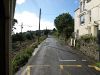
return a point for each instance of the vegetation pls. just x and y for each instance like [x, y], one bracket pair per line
[21, 58]
[64, 24]
[84, 40]
[98, 64]
[88, 38]
[20, 53]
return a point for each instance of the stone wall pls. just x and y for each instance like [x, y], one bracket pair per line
[90, 49]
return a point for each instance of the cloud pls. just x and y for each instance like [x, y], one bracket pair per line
[31, 22]
[20, 2]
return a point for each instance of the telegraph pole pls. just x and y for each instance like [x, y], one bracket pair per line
[21, 27]
[39, 26]
[21, 32]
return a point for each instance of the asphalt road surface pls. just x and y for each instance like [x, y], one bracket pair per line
[52, 58]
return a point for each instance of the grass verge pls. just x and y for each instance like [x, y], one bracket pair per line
[22, 58]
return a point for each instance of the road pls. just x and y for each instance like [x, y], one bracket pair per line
[52, 58]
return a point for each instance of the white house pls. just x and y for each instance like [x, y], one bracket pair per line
[87, 18]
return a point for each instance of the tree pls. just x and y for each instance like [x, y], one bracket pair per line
[64, 24]
[13, 24]
[18, 37]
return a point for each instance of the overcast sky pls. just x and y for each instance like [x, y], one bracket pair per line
[27, 12]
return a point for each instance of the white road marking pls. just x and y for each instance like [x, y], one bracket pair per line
[83, 60]
[67, 60]
[35, 51]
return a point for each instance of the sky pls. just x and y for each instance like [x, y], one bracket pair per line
[27, 13]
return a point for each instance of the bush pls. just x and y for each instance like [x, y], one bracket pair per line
[21, 59]
[98, 64]
[88, 38]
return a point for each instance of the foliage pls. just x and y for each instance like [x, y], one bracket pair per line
[18, 37]
[88, 38]
[54, 30]
[98, 64]
[64, 24]
[21, 58]
[29, 36]
[14, 21]
[46, 32]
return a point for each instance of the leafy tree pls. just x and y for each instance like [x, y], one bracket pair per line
[14, 21]
[64, 24]
[29, 35]
[46, 32]
[54, 29]
[18, 37]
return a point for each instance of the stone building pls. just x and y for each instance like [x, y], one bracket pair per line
[87, 18]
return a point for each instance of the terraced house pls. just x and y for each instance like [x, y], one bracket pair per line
[87, 18]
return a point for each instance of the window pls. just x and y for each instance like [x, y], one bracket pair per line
[82, 19]
[90, 16]
[80, 6]
[83, 4]
[88, 1]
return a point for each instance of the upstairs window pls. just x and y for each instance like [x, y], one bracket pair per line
[81, 7]
[83, 4]
[90, 16]
[88, 1]
[82, 19]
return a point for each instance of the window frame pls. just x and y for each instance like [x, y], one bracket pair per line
[82, 19]
[87, 1]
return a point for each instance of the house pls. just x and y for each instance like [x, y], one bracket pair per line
[87, 18]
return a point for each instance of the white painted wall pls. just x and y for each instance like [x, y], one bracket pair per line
[94, 6]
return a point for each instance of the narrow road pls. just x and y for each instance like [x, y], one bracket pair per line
[52, 58]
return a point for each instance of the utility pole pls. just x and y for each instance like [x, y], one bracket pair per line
[21, 27]
[39, 26]
[21, 33]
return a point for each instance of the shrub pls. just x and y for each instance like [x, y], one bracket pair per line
[98, 64]
[88, 38]
[21, 59]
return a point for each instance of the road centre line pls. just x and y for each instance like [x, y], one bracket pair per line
[67, 60]
[84, 60]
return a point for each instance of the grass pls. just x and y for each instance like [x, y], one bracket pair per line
[98, 64]
[21, 58]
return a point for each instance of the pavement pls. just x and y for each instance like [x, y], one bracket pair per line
[52, 58]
